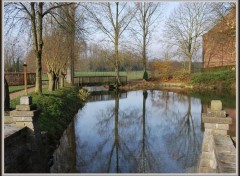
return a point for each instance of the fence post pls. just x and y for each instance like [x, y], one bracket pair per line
[25, 77]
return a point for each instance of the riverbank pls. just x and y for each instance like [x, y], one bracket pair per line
[215, 79]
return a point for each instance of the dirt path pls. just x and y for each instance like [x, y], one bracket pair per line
[21, 92]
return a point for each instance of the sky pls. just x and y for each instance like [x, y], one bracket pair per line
[155, 48]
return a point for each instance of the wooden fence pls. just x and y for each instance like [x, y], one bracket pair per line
[17, 78]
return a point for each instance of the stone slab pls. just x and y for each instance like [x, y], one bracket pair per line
[216, 105]
[10, 129]
[215, 132]
[206, 170]
[216, 126]
[216, 113]
[222, 140]
[210, 119]
[8, 120]
[24, 124]
[16, 113]
[24, 107]
[204, 163]
[26, 100]
[23, 119]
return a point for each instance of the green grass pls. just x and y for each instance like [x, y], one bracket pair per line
[18, 88]
[58, 108]
[214, 76]
[132, 75]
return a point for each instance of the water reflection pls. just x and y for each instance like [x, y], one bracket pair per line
[148, 132]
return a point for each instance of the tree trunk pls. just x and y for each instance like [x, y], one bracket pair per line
[190, 65]
[6, 96]
[51, 81]
[56, 82]
[116, 49]
[71, 23]
[144, 40]
[38, 43]
[61, 81]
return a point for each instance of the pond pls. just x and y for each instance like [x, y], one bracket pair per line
[154, 131]
[139, 132]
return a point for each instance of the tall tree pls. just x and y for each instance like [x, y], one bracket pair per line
[56, 57]
[112, 18]
[148, 15]
[186, 25]
[33, 12]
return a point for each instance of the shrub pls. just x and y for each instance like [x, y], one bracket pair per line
[161, 69]
[145, 75]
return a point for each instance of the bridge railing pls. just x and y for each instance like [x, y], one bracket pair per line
[98, 80]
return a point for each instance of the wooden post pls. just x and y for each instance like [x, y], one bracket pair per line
[25, 77]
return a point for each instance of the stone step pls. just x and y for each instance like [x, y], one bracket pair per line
[206, 170]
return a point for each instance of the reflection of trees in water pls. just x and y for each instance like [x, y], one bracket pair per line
[121, 148]
[112, 150]
[163, 95]
[184, 145]
[146, 161]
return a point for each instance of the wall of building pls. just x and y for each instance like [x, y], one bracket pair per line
[219, 44]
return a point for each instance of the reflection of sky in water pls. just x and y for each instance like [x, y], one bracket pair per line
[168, 142]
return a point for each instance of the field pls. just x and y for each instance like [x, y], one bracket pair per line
[133, 75]
[17, 88]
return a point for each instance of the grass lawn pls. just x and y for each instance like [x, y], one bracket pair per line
[58, 108]
[132, 75]
[214, 76]
[18, 88]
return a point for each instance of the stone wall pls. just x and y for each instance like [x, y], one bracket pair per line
[26, 147]
[218, 152]
[64, 157]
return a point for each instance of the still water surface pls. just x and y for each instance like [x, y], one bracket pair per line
[139, 132]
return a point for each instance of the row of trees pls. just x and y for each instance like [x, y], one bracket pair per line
[113, 19]
[60, 30]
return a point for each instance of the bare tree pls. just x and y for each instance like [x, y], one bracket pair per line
[13, 54]
[186, 25]
[147, 17]
[56, 57]
[32, 12]
[112, 18]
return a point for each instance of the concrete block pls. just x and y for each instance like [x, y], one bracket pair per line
[221, 113]
[15, 113]
[213, 163]
[24, 124]
[24, 107]
[207, 170]
[216, 126]
[210, 119]
[216, 105]
[26, 100]
[204, 163]
[22, 119]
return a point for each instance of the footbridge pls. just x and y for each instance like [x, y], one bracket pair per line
[98, 80]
